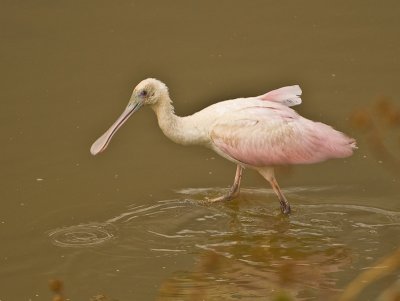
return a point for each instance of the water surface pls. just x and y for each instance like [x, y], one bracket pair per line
[132, 224]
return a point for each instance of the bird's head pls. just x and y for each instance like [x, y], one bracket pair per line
[148, 92]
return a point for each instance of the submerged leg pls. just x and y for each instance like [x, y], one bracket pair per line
[268, 174]
[234, 190]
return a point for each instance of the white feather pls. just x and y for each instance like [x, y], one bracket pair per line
[289, 96]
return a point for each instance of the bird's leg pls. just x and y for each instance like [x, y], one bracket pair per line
[285, 206]
[268, 174]
[234, 190]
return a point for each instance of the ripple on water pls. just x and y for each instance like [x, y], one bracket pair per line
[84, 235]
[187, 224]
[245, 245]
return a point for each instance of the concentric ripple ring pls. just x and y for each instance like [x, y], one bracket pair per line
[85, 235]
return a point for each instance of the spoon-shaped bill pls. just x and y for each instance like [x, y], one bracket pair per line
[101, 143]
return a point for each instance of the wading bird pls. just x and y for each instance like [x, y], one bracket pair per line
[254, 132]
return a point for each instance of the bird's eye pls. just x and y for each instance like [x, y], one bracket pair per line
[143, 93]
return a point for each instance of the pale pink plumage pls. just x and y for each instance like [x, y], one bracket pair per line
[257, 132]
[266, 132]
[275, 135]
[289, 96]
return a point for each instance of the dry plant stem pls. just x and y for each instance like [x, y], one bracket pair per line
[382, 268]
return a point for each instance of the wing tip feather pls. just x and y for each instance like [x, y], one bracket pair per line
[289, 95]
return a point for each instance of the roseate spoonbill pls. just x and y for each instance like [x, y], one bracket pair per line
[255, 132]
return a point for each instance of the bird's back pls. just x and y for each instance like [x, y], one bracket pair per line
[262, 132]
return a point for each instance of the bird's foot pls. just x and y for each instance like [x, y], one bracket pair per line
[227, 197]
[219, 199]
[285, 208]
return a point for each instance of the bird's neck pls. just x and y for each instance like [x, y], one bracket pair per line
[176, 128]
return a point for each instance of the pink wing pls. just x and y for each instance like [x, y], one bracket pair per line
[289, 96]
[277, 135]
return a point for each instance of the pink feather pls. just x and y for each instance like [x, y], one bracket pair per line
[289, 96]
[277, 135]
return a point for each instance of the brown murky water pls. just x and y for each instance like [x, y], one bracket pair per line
[130, 224]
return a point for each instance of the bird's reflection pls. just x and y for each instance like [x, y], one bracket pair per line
[262, 257]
